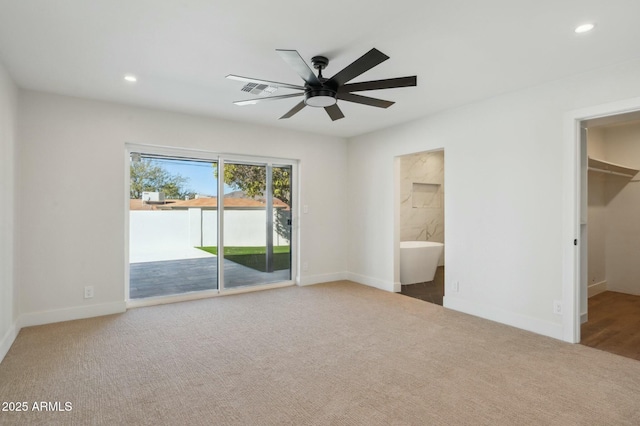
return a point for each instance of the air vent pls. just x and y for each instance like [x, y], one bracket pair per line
[259, 89]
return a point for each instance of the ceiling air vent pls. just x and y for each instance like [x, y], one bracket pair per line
[259, 89]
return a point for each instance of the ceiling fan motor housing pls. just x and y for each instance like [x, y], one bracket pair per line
[323, 95]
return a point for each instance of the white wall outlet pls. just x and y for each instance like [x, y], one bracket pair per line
[456, 286]
[557, 307]
[88, 292]
[305, 266]
[305, 209]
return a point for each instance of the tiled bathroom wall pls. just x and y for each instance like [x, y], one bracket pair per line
[422, 197]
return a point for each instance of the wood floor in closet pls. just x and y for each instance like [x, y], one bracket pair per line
[614, 324]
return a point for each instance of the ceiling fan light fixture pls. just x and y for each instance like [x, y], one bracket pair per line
[320, 98]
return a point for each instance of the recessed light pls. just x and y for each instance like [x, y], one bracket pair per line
[131, 78]
[584, 28]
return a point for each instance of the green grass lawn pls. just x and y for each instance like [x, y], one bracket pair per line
[254, 257]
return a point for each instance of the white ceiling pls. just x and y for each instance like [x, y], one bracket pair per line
[181, 51]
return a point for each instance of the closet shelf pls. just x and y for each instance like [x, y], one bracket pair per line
[611, 168]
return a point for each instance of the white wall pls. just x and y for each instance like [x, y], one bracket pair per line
[8, 305]
[503, 204]
[72, 163]
[622, 146]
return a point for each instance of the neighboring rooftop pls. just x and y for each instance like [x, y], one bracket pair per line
[205, 203]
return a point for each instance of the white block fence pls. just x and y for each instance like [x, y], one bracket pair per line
[177, 229]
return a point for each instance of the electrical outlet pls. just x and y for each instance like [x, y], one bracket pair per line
[557, 307]
[456, 286]
[305, 266]
[88, 292]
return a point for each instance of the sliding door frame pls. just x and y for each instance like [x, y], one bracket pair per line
[220, 159]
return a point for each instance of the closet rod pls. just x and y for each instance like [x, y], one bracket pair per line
[610, 172]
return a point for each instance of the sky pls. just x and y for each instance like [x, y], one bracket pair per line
[199, 174]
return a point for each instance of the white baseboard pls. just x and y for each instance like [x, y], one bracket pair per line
[397, 287]
[68, 314]
[546, 328]
[373, 282]
[584, 318]
[597, 288]
[8, 339]
[322, 278]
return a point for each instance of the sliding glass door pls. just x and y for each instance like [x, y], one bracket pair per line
[257, 224]
[172, 223]
[178, 206]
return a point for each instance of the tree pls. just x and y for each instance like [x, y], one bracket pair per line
[147, 176]
[252, 180]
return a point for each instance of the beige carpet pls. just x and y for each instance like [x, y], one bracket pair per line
[338, 353]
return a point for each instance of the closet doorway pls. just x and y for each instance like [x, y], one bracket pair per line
[610, 234]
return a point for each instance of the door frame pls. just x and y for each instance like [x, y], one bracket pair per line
[219, 158]
[397, 182]
[574, 264]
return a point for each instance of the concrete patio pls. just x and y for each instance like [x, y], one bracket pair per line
[168, 277]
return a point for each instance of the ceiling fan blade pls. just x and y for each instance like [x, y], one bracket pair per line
[365, 100]
[295, 61]
[359, 66]
[267, 82]
[294, 110]
[334, 112]
[267, 98]
[389, 83]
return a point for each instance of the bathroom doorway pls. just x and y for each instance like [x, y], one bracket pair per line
[421, 225]
[610, 231]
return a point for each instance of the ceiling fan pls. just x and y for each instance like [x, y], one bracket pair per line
[325, 92]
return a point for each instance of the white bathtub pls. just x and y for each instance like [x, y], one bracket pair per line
[419, 261]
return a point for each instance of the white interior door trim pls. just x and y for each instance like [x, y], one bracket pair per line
[571, 188]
